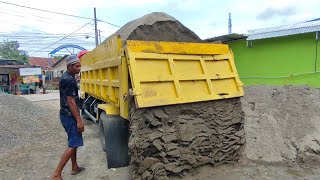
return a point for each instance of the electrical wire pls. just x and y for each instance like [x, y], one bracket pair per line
[62, 38]
[70, 15]
[26, 39]
[44, 10]
[22, 26]
[108, 23]
[39, 18]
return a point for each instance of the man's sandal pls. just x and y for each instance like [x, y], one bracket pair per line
[78, 171]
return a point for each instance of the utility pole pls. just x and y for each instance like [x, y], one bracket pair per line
[99, 36]
[95, 27]
[229, 24]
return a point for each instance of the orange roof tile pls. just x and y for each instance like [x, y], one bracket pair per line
[45, 63]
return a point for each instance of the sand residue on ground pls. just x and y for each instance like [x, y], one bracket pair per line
[282, 123]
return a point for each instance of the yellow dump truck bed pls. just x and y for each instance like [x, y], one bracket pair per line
[161, 73]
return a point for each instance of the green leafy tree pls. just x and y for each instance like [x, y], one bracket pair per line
[57, 57]
[10, 50]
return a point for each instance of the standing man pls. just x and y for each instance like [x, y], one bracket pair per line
[69, 116]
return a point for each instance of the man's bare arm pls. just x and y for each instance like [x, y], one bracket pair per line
[74, 110]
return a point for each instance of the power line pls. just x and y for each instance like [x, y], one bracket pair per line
[36, 33]
[27, 26]
[42, 36]
[108, 23]
[62, 38]
[26, 38]
[42, 19]
[56, 12]
[45, 10]
[23, 26]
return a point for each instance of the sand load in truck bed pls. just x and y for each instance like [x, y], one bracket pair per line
[156, 26]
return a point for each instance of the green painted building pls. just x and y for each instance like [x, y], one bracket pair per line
[286, 55]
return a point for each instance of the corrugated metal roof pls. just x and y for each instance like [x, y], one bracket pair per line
[1, 59]
[298, 28]
[42, 62]
[227, 38]
[318, 19]
[16, 66]
[7, 61]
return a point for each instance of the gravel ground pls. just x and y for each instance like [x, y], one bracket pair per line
[35, 158]
[20, 121]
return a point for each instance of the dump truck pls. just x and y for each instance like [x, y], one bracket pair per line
[145, 74]
[165, 101]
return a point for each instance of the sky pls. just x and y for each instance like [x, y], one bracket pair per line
[40, 32]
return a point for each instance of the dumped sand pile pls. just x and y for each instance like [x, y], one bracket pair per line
[156, 26]
[173, 140]
[282, 123]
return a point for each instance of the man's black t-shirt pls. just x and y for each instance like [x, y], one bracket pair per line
[68, 87]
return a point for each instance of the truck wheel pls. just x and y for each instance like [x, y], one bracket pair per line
[116, 135]
[102, 119]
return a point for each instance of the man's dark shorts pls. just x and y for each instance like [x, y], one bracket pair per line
[70, 125]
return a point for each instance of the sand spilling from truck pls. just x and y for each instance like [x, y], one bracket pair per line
[173, 140]
[282, 124]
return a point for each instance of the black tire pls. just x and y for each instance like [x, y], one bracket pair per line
[103, 117]
[116, 134]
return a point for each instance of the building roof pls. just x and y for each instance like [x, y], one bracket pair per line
[17, 66]
[45, 63]
[58, 61]
[297, 28]
[7, 61]
[2, 59]
[227, 38]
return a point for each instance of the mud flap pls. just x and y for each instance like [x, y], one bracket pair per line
[116, 135]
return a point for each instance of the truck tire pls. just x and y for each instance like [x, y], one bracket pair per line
[116, 135]
[103, 118]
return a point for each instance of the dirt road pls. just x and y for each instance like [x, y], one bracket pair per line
[37, 161]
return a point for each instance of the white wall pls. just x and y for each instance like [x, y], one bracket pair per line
[62, 66]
